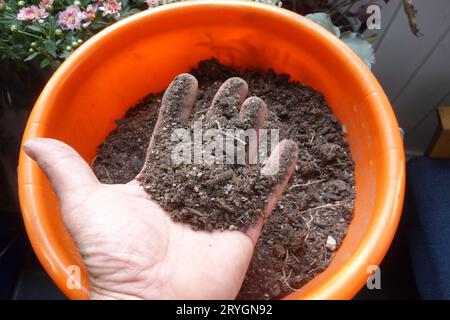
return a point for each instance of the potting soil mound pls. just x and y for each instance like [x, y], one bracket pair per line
[307, 226]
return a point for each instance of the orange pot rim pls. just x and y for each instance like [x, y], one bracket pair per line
[344, 283]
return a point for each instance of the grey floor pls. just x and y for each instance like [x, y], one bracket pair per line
[34, 283]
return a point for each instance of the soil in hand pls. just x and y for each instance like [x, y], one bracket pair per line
[199, 171]
[311, 219]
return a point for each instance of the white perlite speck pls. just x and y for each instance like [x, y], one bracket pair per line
[331, 243]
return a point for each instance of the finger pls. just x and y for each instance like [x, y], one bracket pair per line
[68, 173]
[279, 169]
[228, 99]
[252, 115]
[176, 107]
[178, 99]
[177, 103]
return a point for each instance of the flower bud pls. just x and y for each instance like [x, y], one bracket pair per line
[58, 32]
[69, 48]
[21, 3]
[13, 28]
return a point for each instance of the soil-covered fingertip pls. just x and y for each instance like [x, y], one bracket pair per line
[228, 99]
[288, 152]
[179, 98]
[253, 113]
[281, 162]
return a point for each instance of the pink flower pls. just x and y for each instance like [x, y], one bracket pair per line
[32, 13]
[152, 3]
[111, 7]
[47, 4]
[70, 18]
[89, 14]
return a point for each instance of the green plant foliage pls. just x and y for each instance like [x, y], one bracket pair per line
[39, 36]
[324, 20]
[360, 46]
[33, 30]
[48, 31]
[354, 41]
[272, 2]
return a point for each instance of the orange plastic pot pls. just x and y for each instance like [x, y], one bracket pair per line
[142, 54]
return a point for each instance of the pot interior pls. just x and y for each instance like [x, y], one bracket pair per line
[116, 68]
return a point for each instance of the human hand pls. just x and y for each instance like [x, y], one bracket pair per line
[131, 247]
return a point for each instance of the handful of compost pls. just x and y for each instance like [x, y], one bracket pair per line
[131, 247]
[209, 170]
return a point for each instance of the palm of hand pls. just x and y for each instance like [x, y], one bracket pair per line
[132, 248]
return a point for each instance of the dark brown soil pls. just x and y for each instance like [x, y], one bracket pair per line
[318, 202]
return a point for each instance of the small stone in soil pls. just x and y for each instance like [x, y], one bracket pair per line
[331, 243]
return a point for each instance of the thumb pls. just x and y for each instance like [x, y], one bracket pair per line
[70, 176]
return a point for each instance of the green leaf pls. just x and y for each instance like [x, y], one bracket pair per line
[45, 63]
[51, 25]
[128, 12]
[323, 19]
[50, 47]
[64, 55]
[31, 56]
[359, 46]
[33, 27]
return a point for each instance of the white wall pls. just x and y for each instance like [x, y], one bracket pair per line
[415, 72]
